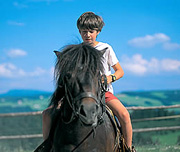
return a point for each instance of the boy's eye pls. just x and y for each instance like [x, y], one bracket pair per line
[84, 32]
[90, 31]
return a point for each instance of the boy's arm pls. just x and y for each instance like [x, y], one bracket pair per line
[118, 72]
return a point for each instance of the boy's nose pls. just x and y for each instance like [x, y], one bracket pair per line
[88, 33]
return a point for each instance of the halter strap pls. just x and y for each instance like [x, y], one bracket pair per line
[100, 99]
[85, 95]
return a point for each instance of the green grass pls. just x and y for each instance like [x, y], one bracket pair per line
[165, 141]
[162, 141]
[150, 98]
[23, 105]
[159, 94]
[138, 101]
[19, 145]
[157, 148]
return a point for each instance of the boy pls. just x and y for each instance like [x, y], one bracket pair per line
[90, 25]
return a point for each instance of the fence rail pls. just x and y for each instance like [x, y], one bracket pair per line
[154, 107]
[20, 114]
[156, 129]
[129, 108]
[134, 131]
[156, 118]
[21, 136]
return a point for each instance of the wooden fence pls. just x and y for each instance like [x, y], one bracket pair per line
[129, 108]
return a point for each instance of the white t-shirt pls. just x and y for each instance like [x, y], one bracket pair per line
[109, 59]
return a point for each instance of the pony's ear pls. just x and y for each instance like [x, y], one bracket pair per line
[103, 51]
[57, 53]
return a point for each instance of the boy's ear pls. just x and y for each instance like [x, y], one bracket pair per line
[57, 53]
[97, 33]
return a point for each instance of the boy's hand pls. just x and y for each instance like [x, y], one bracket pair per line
[109, 79]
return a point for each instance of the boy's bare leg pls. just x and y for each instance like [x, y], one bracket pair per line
[46, 120]
[123, 116]
[46, 123]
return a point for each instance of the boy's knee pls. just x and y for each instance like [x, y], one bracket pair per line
[125, 116]
[46, 112]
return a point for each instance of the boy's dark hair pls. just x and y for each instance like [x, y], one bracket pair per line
[89, 20]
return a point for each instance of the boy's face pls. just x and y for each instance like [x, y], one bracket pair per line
[89, 36]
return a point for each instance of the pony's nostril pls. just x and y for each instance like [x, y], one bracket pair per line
[97, 107]
[82, 112]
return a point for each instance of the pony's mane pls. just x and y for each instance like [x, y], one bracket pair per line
[74, 59]
[78, 58]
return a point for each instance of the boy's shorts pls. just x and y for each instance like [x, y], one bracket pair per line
[109, 96]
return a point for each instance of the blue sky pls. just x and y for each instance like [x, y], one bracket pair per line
[145, 35]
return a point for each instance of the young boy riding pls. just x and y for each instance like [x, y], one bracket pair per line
[89, 26]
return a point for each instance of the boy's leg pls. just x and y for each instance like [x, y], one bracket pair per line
[123, 116]
[46, 122]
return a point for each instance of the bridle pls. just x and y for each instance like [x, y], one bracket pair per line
[99, 99]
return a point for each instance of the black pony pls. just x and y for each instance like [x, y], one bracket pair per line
[82, 123]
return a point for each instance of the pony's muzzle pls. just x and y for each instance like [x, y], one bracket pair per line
[88, 113]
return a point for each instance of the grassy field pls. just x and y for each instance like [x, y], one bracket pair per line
[152, 148]
[150, 98]
[165, 141]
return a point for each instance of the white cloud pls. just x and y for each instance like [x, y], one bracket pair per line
[9, 70]
[138, 66]
[37, 72]
[16, 23]
[152, 40]
[171, 46]
[170, 65]
[135, 64]
[148, 40]
[16, 53]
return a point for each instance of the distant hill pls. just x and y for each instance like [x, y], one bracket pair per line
[150, 98]
[24, 93]
[34, 100]
[24, 101]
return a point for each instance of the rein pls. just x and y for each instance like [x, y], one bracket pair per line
[101, 101]
[83, 140]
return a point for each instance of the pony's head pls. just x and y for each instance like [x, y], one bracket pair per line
[78, 78]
